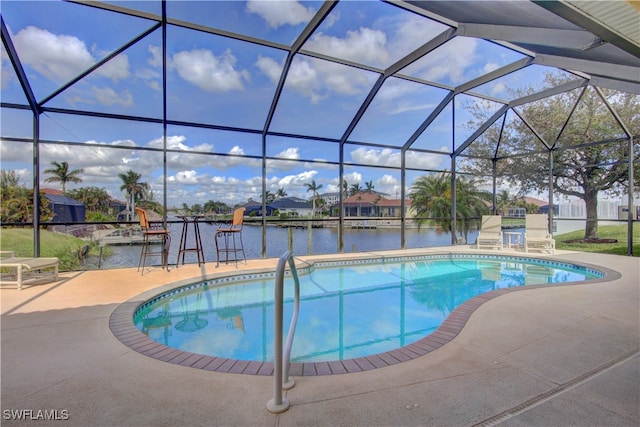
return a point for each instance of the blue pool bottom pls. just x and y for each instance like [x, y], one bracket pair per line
[448, 329]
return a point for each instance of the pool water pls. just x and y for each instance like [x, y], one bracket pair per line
[346, 311]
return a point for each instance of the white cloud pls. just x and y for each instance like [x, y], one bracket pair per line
[209, 72]
[387, 180]
[236, 150]
[364, 45]
[297, 181]
[352, 178]
[188, 177]
[62, 57]
[498, 88]
[156, 56]
[392, 158]
[418, 160]
[304, 78]
[344, 80]
[116, 69]
[6, 71]
[279, 13]
[269, 68]
[489, 67]
[316, 79]
[57, 57]
[449, 61]
[101, 164]
[107, 96]
[377, 157]
[289, 153]
[411, 27]
[407, 105]
[399, 97]
[176, 142]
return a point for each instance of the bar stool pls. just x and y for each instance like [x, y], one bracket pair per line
[228, 236]
[152, 233]
[182, 249]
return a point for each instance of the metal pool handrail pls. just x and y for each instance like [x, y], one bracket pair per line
[281, 377]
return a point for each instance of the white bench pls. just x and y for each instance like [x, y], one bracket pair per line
[25, 270]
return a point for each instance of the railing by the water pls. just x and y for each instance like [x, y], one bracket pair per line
[281, 379]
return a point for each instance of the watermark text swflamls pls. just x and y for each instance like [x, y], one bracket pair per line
[35, 414]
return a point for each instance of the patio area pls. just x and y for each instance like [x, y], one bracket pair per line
[561, 355]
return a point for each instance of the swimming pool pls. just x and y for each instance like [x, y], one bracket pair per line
[349, 310]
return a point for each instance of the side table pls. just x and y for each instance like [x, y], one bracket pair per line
[513, 238]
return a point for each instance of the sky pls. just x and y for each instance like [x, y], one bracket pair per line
[221, 81]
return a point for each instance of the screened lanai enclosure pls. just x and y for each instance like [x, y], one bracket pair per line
[382, 120]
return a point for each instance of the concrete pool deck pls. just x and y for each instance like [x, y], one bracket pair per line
[561, 355]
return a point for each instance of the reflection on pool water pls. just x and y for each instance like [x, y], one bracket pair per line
[347, 309]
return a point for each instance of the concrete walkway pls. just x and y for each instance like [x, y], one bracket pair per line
[556, 356]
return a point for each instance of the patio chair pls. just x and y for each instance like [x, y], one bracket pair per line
[231, 236]
[490, 234]
[153, 233]
[18, 270]
[536, 234]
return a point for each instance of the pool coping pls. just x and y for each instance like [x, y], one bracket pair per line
[123, 328]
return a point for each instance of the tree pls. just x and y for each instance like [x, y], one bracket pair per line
[355, 189]
[369, 185]
[471, 204]
[313, 187]
[211, 207]
[16, 201]
[9, 179]
[133, 188]
[95, 199]
[62, 174]
[589, 149]
[281, 193]
[16, 205]
[270, 197]
[432, 201]
[345, 188]
[503, 201]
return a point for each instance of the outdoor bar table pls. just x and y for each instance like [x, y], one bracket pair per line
[183, 248]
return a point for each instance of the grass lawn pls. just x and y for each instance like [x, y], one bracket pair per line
[618, 232]
[63, 247]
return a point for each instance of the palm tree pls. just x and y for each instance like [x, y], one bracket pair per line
[132, 188]
[355, 189]
[503, 201]
[369, 186]
[62, 174]
[269, 196]
[313, 187]
[432, 199]
[471, 205]
[281, 193]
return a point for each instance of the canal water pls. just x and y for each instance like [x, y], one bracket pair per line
[278, 240]
[302, 240]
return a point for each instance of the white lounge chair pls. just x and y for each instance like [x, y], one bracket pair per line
[25, 270]
[490, 235]
[536, 235]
